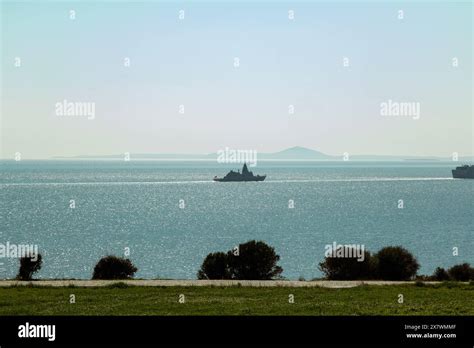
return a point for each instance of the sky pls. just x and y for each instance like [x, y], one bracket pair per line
[183, 93]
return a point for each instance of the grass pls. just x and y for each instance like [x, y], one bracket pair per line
[121, 299]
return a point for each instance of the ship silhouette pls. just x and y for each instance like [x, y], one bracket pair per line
[246, 175]
[463, 172]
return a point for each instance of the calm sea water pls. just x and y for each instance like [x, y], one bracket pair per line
[136, 205]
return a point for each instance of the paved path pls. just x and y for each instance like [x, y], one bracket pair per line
[250, 283]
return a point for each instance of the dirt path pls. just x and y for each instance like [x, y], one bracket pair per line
[249, 283]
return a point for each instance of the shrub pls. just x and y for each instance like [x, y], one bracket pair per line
[113, 267]
[396, 263]
[420, 283]
[215, 266]
[450, 284]
[462, 272]
[440, 274]
[348, 268]
[118, 285]
[28, 266]
[423, 278]
[255, 261]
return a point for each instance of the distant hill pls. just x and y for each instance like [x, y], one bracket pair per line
[292, 153]
[296, 153]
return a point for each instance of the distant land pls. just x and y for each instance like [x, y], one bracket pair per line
[296, 153]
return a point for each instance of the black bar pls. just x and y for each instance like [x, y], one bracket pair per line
[141, 330]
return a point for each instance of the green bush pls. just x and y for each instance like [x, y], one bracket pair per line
[463, 272]
[113, 267]
[348, 268]
[255, 261]
[28, 266]
[215, 266]
[419, 283]
[396, 263]
[440, 274]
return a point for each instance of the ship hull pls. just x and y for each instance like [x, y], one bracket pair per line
[257, 178]
[463, 174]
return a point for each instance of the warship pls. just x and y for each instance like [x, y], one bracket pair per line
[246, 175]
[463, 172]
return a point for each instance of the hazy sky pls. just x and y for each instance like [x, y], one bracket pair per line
[190, 62]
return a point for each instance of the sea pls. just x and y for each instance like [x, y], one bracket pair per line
[166, 216]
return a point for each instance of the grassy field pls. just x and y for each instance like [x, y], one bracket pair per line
[120, 299]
